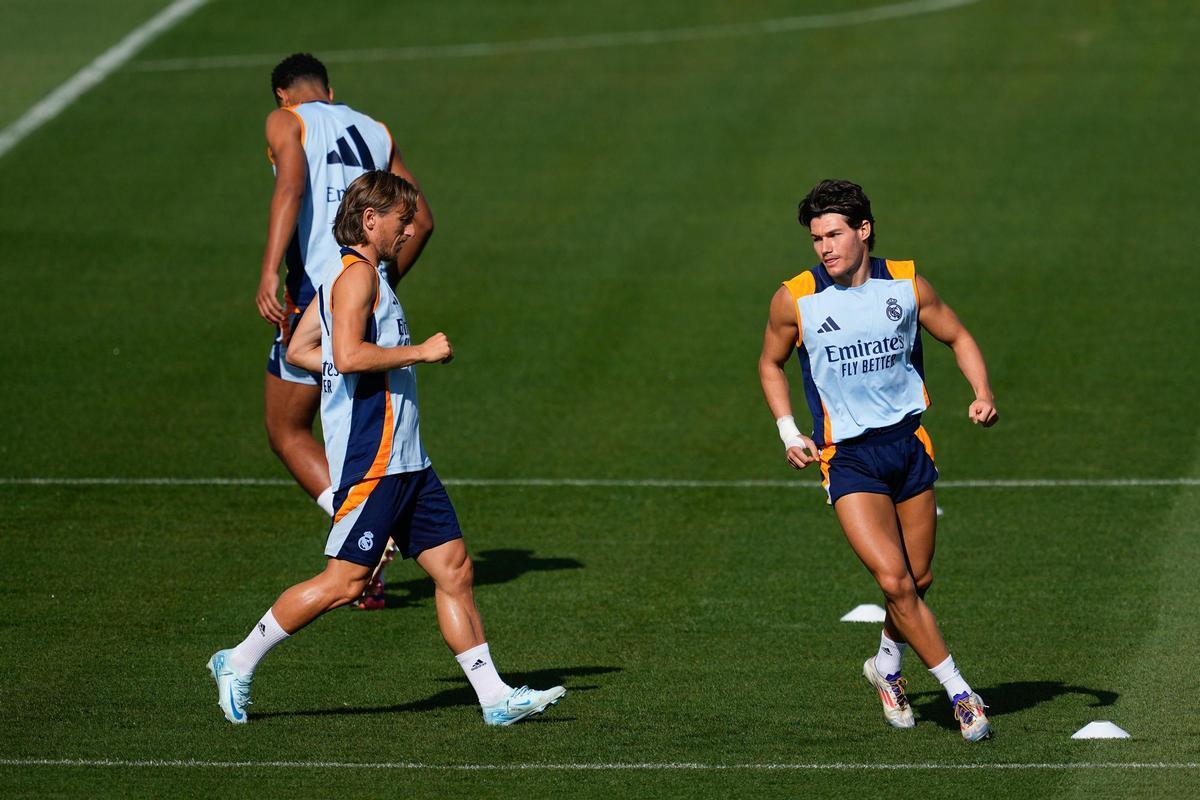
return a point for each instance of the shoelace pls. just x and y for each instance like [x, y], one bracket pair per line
[898, 691]
[967, 710]
[519, 693]
[241, 692]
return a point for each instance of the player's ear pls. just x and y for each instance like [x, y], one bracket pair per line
[369, 219]
[281, 97]
[329, 89]
[864, 230]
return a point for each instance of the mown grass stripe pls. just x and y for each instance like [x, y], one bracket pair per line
[104, 65]
[403, 765]
[632, 483]
[582, 42]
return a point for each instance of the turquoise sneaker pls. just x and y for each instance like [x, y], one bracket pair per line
[521, 703]
[233, 688]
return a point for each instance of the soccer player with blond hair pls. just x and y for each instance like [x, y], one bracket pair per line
[356, 337]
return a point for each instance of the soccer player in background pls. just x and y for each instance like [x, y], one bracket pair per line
[317, 148]
[356, 336]
[853, 322]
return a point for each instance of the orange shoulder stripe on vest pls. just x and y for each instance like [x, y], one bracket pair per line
[905, 271]
[349, 260]
[802, 285]
[303, 131]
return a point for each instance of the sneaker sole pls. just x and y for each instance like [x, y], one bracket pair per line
[987, 734]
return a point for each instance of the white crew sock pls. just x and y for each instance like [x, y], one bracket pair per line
[477, 665]
[265, 635]
[325, 500]
[952, 682]
[887, 660]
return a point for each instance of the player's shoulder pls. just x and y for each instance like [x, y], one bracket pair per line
[801, 285]
[283, 120]
[284, 114]
[897, 268]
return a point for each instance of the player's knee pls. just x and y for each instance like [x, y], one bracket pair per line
[278, 436]
[458, 577]
[351, 589]
[275, 441]
[897, 588]
[284, 436]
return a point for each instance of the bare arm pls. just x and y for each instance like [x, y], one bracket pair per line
[778, 342]
[304, 350]
[291, 173]
[945, 326]
[353, 301]
[422, 225]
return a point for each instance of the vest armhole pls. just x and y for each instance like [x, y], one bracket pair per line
[303, 130]
[802, 285]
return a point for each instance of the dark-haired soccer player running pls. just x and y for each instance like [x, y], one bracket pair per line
[317, 148]
[356, 336]
[853, 322]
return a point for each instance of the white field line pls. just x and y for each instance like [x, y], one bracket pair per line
[105, 64]
[646, 483]
[583, 42]
[400, 765]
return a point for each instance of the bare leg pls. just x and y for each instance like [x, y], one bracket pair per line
[453, 577]
[870, 523]
[918, 533]
[290, 409]
[340, 583]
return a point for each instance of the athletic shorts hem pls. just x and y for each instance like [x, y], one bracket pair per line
[278, 366]
[903, 497]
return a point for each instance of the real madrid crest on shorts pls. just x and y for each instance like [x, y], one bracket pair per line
[894, 312]
[366, 541]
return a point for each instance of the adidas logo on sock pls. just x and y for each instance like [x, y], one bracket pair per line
[262, 629]
[479, 662]
[829, 326]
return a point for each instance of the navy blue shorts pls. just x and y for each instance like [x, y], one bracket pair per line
[898, 463]
[277, 364]
[412, 508]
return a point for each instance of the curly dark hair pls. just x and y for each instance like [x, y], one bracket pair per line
[298, 67]
[838, 197]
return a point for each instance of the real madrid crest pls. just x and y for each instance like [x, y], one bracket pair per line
[893, 311]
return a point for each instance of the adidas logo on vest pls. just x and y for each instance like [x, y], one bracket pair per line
[829, 326]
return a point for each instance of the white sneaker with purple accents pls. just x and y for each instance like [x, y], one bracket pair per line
[896, 709]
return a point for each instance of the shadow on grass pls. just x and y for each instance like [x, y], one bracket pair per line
[491, 567]
[460, 694]
[1005, 698]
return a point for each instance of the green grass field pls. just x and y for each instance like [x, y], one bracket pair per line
[612, 221]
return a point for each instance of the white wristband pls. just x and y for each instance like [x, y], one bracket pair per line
[789, 434]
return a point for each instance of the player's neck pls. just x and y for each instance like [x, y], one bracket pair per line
[300, 94]
[856, 276]
[368, 251]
